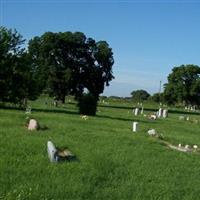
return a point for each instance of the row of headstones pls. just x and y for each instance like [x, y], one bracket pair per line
[138, 111]
[161, 112]
[191, 108]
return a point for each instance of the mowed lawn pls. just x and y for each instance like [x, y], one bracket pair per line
[112, 162]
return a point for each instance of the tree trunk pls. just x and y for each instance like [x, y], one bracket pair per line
[63, 99]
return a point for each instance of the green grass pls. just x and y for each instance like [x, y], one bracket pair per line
[113, 162]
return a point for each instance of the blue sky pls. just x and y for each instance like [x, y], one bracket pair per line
[148, 38]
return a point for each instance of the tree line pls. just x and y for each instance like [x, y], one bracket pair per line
[67, 63]
[183, 87]
[60, 64]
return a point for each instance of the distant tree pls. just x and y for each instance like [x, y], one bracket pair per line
[103, 97]
[16, 74]
[157, 97]
[68, 63]
[140, 95]
[183, 85]
[115, 97]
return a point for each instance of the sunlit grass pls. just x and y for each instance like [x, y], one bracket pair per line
[113, 162]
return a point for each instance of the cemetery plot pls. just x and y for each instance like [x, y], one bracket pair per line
[113, 162]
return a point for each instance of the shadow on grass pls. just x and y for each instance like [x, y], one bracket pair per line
[55, 111]
[100, 116]
[41, 110]
[65, 157]
[125, 119]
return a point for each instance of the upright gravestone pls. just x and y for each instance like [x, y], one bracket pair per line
[142, 110]
[160, 111]
[33, 125]
[135, 126]
[51, 150]
[165, 113]
[136, 111]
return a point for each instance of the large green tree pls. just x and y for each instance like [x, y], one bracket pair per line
[140, 95]
[17, 82]
[68, 63]
[183, 85]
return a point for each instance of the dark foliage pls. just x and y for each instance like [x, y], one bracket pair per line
[87, 104]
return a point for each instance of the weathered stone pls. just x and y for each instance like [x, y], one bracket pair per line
[135, 126]
[154, 117]
[152, 132]
[33, 125]
[165, 113]
[51, 150]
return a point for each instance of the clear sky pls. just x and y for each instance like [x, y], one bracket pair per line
[148, 38]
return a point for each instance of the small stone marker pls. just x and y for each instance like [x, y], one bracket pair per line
[33, 125]
[165, 113]
[195, 146]
[153, 117]
[151, 132]
[85, 117]
[51, 150]
[135, 126]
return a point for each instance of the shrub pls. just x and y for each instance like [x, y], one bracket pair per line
[87, 104]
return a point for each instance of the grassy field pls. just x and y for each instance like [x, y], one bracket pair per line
[112, 162]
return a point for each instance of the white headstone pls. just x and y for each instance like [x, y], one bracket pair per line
[142, 110]
[135, 126]
[33, 125]
[136, 111]
[51, 150]
[160, 111]
[195, 146]
[165, 113]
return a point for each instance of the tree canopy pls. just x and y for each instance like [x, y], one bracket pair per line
[67, 63]
[140, 95]
[17, 82]
[183, 85]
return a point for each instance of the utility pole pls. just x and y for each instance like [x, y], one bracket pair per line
[160, 87]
